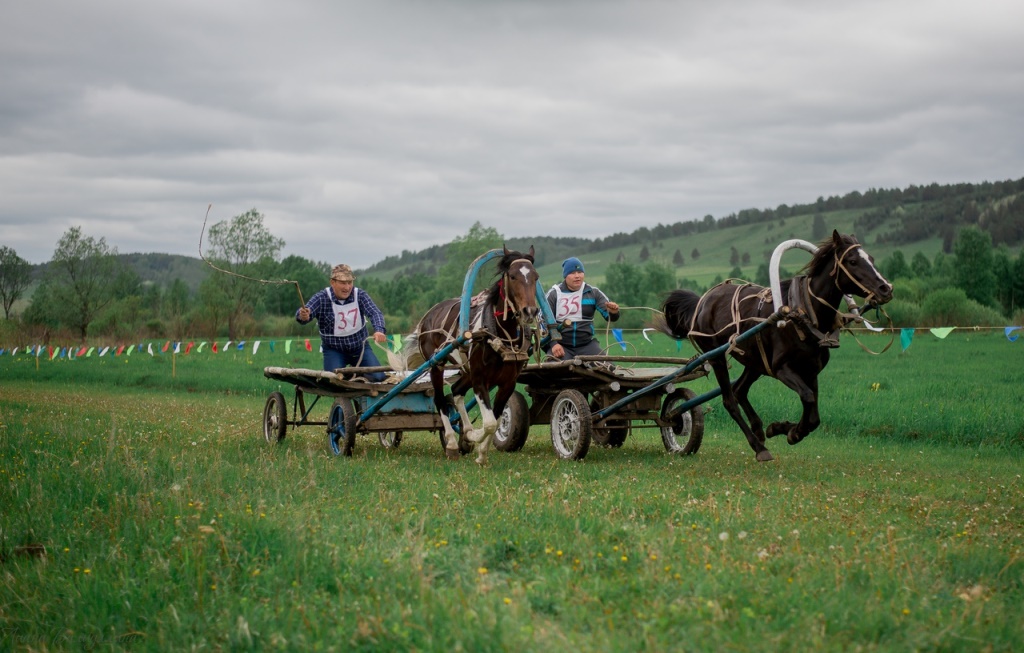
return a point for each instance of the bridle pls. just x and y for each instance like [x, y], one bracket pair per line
[870, 299]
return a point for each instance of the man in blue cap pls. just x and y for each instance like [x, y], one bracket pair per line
[576, 302]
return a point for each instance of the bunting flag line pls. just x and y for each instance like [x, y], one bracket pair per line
[120, 350]
[906, 336]
[200, 348]
[177, 348]
[255, 346]
[167, 344]
[309, 347]
[287, 346]
[214, 350]
[103, 352]
[130, 350]
[645, 336]
[1007, 331]
[150, 349]
[225, 347]
[240, 345]
[942, 332]
[188, 347]
[271, 346]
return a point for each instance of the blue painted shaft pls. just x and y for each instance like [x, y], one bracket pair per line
[686, 369]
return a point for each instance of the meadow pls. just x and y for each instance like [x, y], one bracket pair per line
[143, 510]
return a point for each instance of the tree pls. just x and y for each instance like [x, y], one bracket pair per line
[644, 253]
[695, 254]
[83, 278]
[244, 247]
[973, 266]
[624, 283]
[15, 277]
[920, 265]
[818, 229]
[462, 251]
[677, 259]
[895, 267]
[282, 299]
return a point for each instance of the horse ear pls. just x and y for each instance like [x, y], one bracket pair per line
[503, 247]
[531, 252]
[836, 238]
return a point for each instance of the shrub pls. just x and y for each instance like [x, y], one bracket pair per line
[951, 307]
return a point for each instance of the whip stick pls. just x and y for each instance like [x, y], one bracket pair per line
[242, 276]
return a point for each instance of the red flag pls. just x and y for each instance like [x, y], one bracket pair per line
[120, 350]
[81, 351]
[188, 347]
[166, 345]
[215, 347]
[309, 347]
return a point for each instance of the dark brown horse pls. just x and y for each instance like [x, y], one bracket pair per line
[794, 353]
[501, 322]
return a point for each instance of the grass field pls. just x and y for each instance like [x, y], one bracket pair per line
[142, 510]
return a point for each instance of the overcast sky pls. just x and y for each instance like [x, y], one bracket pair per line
[360, 129]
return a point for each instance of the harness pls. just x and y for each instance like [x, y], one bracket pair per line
[804, 318]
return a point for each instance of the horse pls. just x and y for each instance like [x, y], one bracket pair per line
[794, 353]
[502, 320]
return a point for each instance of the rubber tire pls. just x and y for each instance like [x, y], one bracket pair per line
[389, 439]
[275, 418]
[341, 428]
[571, 425]
[612, 436]
[513, 424]
[689, 425]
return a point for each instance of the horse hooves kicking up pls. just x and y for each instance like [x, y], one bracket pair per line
[764, 456]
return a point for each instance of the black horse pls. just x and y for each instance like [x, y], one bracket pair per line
[794, 353]
[501, 321]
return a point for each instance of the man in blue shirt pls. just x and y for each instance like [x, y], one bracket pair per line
[342, 311]
[576, 301]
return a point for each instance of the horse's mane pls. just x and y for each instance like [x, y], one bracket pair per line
[824, 255]
[494, 292]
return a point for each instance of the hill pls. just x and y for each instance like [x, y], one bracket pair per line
[913, 219]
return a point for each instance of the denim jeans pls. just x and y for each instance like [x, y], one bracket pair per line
[337, 358]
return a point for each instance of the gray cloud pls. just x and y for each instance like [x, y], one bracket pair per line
[364, 128]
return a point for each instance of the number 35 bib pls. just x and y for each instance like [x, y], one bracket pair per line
[568, 305]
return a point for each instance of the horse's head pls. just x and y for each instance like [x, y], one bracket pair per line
[854, 270]
[519, 282]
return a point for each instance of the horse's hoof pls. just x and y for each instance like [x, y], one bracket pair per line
[764, 456]
[453, 454]
[793, 438]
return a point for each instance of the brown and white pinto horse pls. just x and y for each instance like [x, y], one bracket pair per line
[795, 353]
[502, 325]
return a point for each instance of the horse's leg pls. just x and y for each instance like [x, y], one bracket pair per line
[471, 434]
[721, 369]
[742, 389]
[806, 386]
[442, 403]
[489, 413]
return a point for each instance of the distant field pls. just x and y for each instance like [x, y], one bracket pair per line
[143, 510]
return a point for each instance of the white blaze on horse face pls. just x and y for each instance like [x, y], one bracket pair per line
[523, 270]
[867, 259]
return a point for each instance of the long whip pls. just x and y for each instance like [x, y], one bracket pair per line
[242, 276]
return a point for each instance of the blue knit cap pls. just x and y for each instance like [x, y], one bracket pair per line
[570, 265]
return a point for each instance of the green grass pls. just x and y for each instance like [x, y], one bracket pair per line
[169, 523]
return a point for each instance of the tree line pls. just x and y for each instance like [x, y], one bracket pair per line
[86, 291]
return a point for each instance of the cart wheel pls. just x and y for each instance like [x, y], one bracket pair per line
[341, 428]
[571, 430]
[687, 429]
[513, 425]
[390, 439]
[275, 417]
[613, 434]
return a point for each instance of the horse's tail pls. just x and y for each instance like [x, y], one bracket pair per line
[677, 313]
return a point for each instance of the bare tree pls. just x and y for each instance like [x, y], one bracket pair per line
[247, 252]
[15, 277]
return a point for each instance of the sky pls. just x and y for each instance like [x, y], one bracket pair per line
[362, 129]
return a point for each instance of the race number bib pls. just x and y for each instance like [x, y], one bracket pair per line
[348, 320]
[568, 306]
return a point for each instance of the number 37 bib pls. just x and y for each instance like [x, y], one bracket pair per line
[348, 320]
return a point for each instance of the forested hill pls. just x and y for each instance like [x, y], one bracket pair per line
[894, 218]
